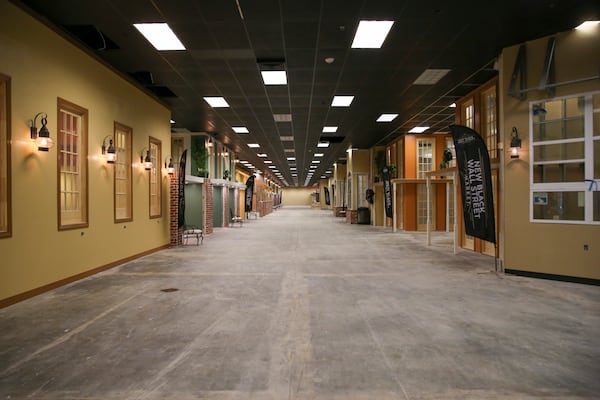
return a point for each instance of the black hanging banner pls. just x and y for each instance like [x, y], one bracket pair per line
[387, 192]
[181, 191]
[473, 164]
[249, 194]
[327, 199]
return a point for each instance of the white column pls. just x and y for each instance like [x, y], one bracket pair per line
[428, 210]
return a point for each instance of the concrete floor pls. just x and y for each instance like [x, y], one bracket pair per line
[300, 305]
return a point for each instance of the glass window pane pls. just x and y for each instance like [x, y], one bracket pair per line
[551, 173]
[557, 152]
[563, 206]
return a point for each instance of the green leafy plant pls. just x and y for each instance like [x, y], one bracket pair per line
[446, 158]
[226, 174]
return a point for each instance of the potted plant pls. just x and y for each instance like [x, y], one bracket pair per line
[226, 174]
[446, 158]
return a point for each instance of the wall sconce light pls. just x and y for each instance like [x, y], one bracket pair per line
[42, 138]
[515, 143]
[146, 161]
[111, 155]
[169, 166]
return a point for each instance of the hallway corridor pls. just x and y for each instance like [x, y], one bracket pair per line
[301, 305]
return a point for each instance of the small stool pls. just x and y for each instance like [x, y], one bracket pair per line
[192, 232]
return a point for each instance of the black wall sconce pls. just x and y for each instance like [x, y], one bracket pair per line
[111, 155]
[146, 161]
[515, 143]
[169, 166]
[42, 138]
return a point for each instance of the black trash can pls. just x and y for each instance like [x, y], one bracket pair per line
[364, 216]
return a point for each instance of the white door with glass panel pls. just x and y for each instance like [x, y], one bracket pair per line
[425, 163]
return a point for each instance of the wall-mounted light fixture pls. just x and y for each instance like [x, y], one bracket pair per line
[42, 138]
[515, 143]
[146, 161]
[111, 155]
[169, 166]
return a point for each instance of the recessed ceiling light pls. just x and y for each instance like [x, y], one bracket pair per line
[172, 121]
[253, 145]
[160, 36]
[418, 129]
[274, 77]
[318, 154]
[240, 129]
[371, 34]
[291, 158]
[329, 60]
[387, 117]
[342, 101]
[330, 129]
[453, 105]
[431, 76]
[216, 102]
[587, 25]
[282, 117]
[323, 144]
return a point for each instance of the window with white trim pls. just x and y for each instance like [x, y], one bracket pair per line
[5, 195]
[155, 179]
[123, 200]
[72, 166]
[565, 160]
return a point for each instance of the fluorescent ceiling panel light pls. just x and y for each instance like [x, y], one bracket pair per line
[172, 121]
[291, 158]
[293, 169]
[160, 36]
[323, 144]
[240, 129]
[329, 129]
[268, 162]
[371, 34]
[216, 102]
[418, 129]
[587, 25]
[286, 138]
[315, 162]
[342, 101]
[453, 105]
[318, 154]
[289, 150]
[274, 77]
[263, 155]
[282, 117]
[431, 76]
[387, 117]
[253, 145]
[272, 167]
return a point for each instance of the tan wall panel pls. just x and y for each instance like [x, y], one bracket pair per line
[38, 254]
[541, 247]
[297, 196]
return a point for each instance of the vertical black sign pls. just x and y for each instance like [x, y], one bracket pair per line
[387, 192]
[181, 191]
[327, 199]
[249, 194]
[475, 174]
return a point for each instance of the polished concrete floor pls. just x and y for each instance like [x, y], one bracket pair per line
[300, 305]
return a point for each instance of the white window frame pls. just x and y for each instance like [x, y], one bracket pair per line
[588, 140]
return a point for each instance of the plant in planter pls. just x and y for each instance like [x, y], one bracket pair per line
[393, 169]
[226, 174]
[446, 158]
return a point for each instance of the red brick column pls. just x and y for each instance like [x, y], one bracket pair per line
[208, 207]
[174, 230]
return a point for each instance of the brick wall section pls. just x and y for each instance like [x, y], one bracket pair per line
[208, 207]
[351, 216]
[174, 231]
[225, 207]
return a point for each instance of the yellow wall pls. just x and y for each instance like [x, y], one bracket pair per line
[43, 66]
[541, 247]
[297, 196]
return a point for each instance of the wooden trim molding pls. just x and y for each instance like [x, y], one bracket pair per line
[5, 171]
